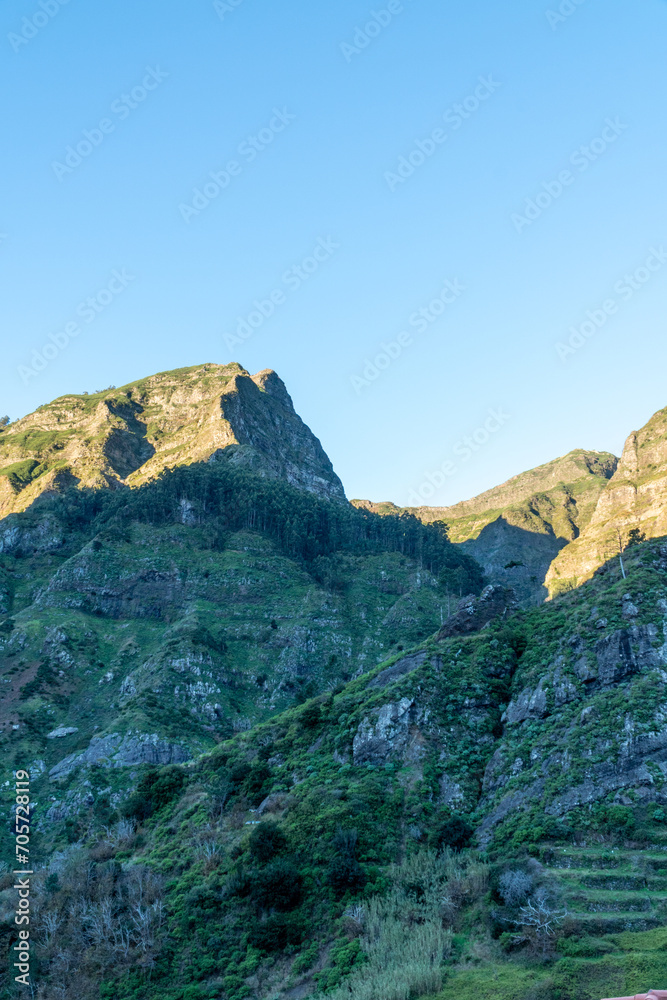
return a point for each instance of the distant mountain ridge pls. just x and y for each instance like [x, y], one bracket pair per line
[549, 529]
[517, 529]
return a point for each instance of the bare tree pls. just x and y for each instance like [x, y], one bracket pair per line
[541, 922]
[621, 549]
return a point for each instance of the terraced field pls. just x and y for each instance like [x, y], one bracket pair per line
[609, 891]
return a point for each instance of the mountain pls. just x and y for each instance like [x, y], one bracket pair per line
[183, 563]
[127, 436]
[301, 856]
[516, 530]
[282, 746]
[634, 500]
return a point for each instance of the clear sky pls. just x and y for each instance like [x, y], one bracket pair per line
[401, 141]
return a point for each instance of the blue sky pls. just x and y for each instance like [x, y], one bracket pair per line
[534, 199]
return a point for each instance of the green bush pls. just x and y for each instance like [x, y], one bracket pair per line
[277, 886]
[277, 932]
[311, 715]
[619, 819]
[345, 873]
[157, 788]
[266, 841]
[257, 782]
[453, 831]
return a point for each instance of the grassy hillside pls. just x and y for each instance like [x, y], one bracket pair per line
[482, 807]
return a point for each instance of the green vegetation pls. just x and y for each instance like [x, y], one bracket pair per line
[258, 772]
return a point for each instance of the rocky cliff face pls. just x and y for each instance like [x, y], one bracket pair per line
[634, 500]
[127, 436]
[516, 530]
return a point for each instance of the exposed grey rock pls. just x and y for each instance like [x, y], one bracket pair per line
[473, 613]
[630, 609]
[626, 652]
[584, 671]
[630, 770]
[512, 802]
[530, 704]
[276, 802]
[115, 750]
[389, 736]
[451, 793]
[61, 731]
[17, 539]
[564, 689]
[399, 669]
[74, 803]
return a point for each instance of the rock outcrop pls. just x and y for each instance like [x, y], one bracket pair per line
[473, 613]
[116, 750]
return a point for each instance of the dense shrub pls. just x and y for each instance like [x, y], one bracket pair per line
[619, 819]
[266, 841]
[257, 782]
[311, 715]
[345, 873]
[452, 831]
[157, 788]
[277, 886]
[277, 931]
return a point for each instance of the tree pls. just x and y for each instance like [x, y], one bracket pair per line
[4, 421]
[453, 831]
[266, 841]
[620, 551]
[540, 922]
[636, 537]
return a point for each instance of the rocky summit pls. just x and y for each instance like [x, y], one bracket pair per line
[128, 436]
[285, 746]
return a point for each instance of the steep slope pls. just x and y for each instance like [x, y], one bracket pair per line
[148, 624]
[634, 500]
[516, 530]
[127, 436]
[294, 858]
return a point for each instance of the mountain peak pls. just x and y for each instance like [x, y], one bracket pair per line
[126, 436]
